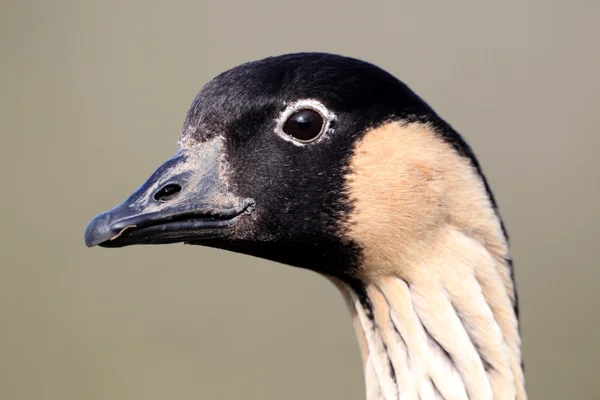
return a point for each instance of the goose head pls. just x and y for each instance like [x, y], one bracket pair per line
[330, 163]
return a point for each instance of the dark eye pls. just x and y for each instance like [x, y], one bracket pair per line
[305, 125]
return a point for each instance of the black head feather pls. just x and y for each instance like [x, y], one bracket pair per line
[299, 191]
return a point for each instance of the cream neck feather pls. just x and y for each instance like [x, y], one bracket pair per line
[435, 308]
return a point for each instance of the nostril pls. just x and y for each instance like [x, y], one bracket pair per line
[167, 192]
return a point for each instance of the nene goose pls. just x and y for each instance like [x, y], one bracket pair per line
[330, 163]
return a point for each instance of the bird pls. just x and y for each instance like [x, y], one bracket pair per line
[330, 163]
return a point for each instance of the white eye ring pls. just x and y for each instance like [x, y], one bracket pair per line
[309, 104]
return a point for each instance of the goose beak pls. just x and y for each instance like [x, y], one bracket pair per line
[185, 199]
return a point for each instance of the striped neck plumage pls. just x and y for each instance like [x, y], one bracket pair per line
[448, 333]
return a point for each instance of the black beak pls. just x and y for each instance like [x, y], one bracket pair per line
[185, 199]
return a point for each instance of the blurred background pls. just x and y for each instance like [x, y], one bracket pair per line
[92, 97]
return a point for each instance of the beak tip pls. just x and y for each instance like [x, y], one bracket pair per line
[98, 230]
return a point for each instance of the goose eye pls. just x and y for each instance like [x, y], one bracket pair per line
[304, 125]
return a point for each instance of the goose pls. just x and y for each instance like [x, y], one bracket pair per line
[332, 164]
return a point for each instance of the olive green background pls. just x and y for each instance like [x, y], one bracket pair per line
[92, 98]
